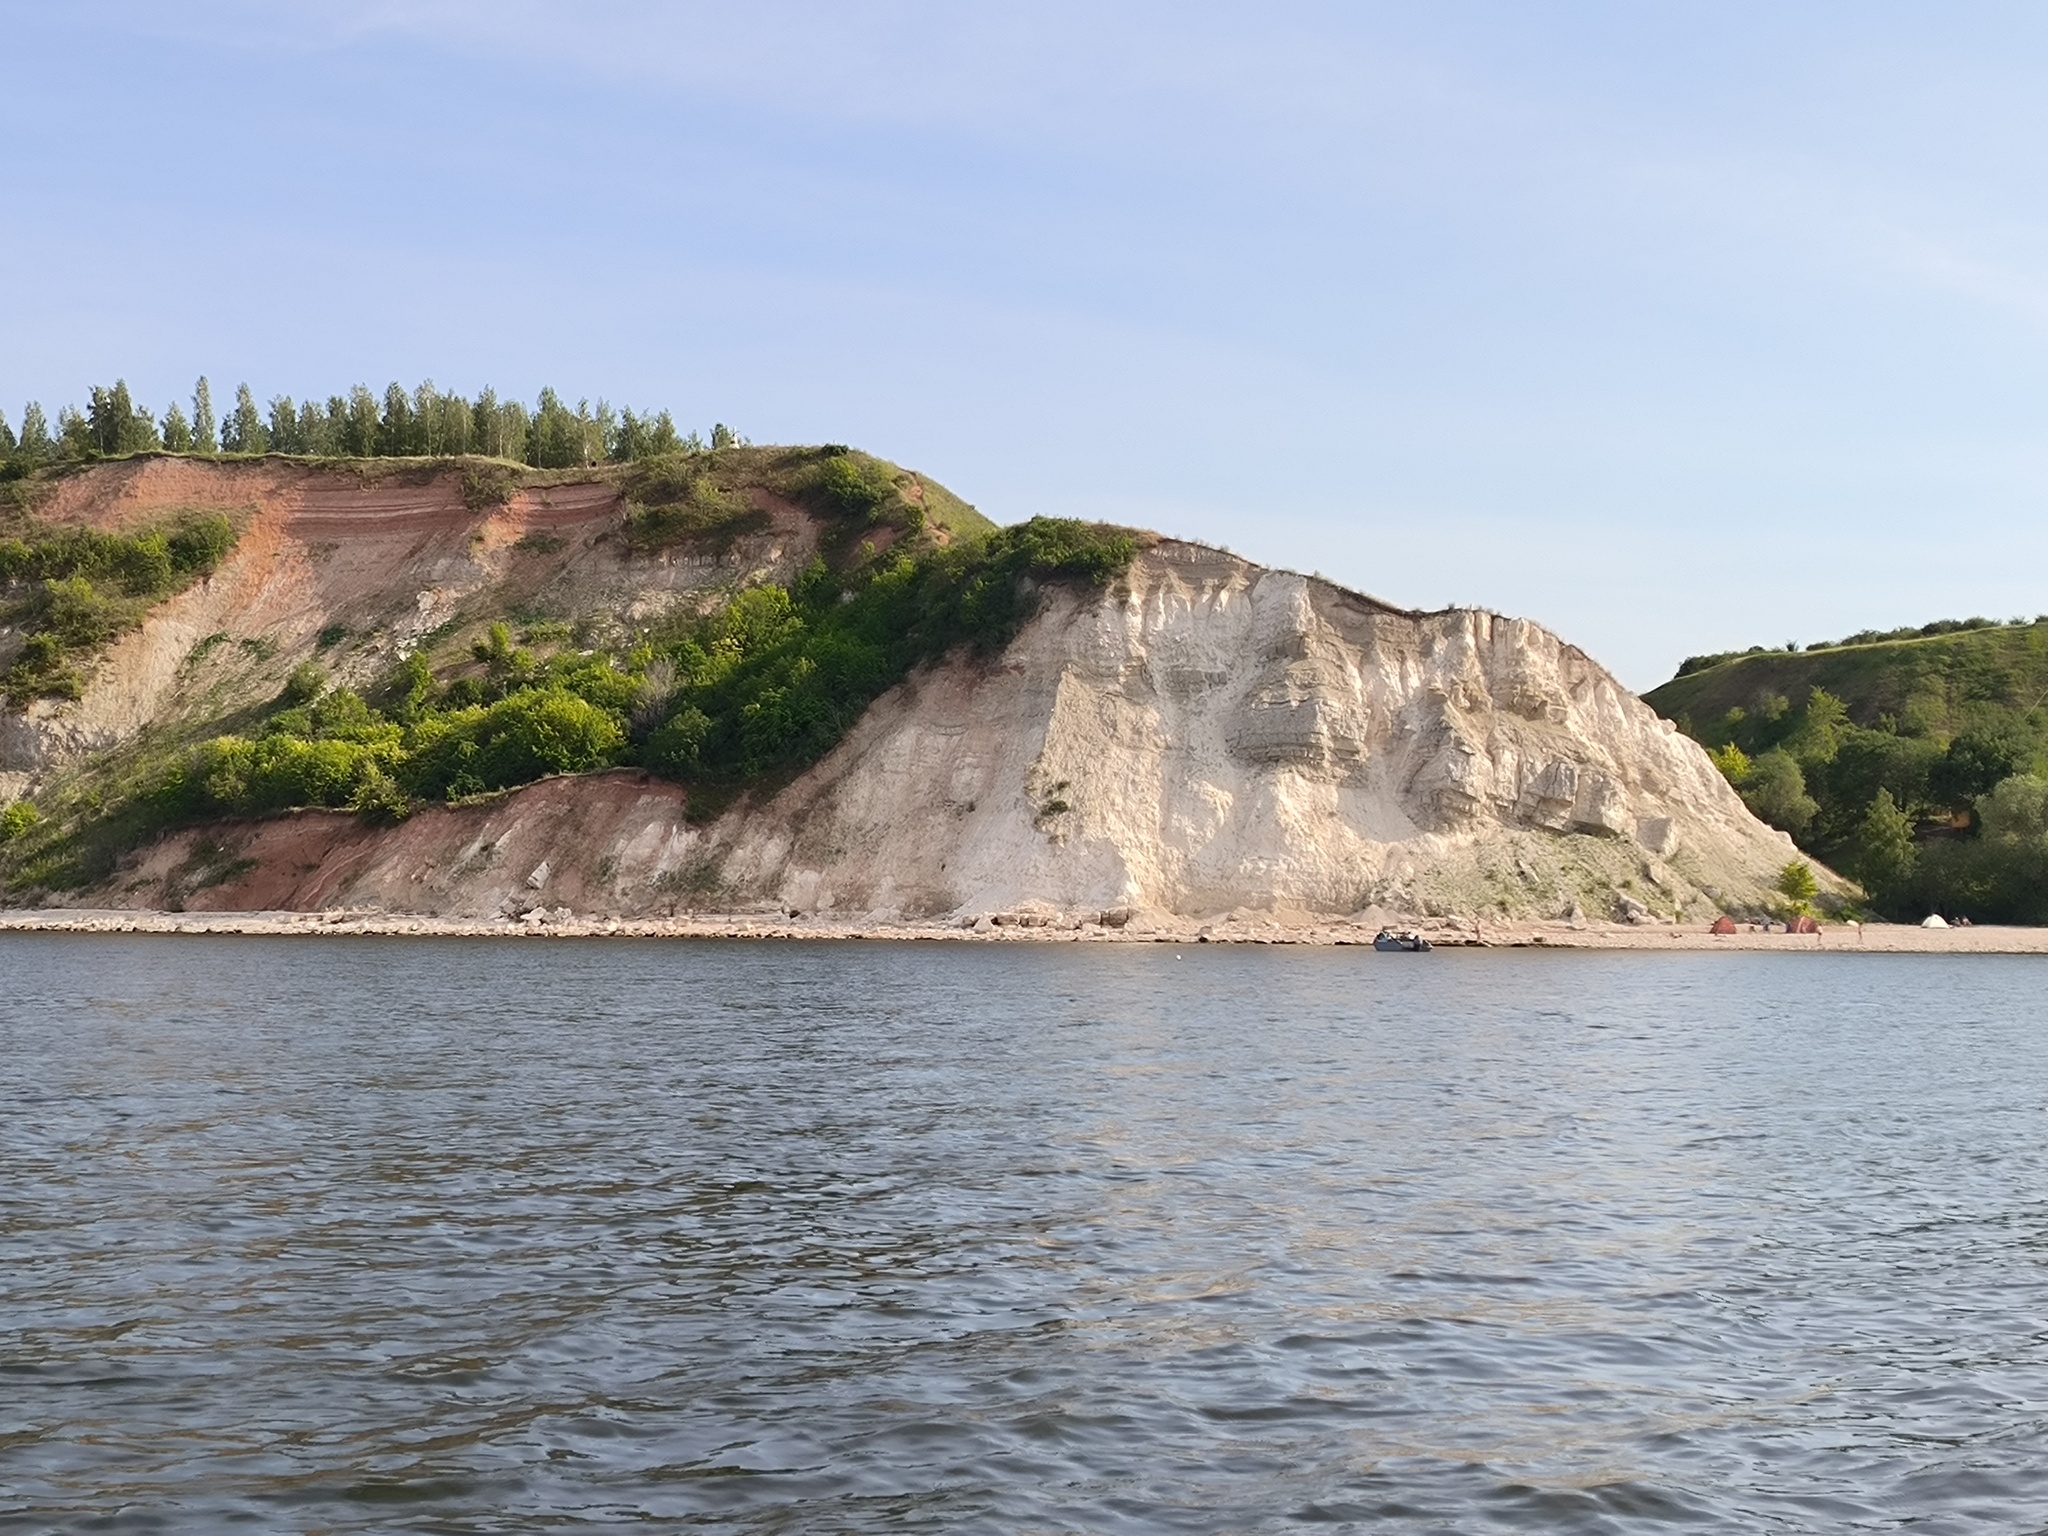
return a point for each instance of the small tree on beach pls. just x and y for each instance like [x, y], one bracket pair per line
[1797, 885]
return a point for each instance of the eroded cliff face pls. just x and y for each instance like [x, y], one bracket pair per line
[1213, 736]
[352, 568]
[1204, 737]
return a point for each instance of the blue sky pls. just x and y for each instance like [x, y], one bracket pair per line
[1672, 326]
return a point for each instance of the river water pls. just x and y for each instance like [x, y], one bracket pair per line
[463, 1236]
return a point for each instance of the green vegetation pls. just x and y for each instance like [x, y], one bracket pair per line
[424, 422]
[1911, 760]
[17, 820]
[67, 591]
[1693, 664]
[736, 700]
[1798, 887]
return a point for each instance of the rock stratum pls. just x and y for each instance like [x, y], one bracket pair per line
[1200, 737]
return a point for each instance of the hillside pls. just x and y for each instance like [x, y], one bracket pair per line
[1913, 762]
[805, 679]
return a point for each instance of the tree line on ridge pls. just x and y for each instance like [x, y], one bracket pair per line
[425, 422]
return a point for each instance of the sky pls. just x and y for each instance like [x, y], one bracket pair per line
[1675, 327]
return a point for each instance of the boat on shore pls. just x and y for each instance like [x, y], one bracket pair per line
[1400, 941]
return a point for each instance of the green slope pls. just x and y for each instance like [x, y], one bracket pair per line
[1914, 764]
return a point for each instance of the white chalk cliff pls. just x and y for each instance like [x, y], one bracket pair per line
[1209, 735]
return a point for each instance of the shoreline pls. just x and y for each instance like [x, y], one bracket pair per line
[1443, 933]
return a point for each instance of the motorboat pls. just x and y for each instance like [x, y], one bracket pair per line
[1400, 941]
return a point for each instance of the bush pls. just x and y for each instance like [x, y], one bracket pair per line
[232, 775]
[1798, 886]
[845, 487]
[17, 820]
[511, 742]
[306, 683]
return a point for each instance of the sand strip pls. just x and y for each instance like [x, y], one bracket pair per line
[1871, 938]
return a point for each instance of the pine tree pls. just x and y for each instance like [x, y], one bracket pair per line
[117, 424]
[1885, 853]
[74, 433]
[205, 438]
[285, 436]
[359, 438]
[334, 431]
[177, 430]
[100, 420]
[485, 424]
[244, 432]
[140, 434]
[450, 433]
[7, 443]
[554, 440]
[35, 446]
[1797, 885]
[394, 431]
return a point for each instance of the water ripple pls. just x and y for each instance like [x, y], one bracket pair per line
[462, 1237]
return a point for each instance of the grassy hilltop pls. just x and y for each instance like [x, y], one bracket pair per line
[1914, 760]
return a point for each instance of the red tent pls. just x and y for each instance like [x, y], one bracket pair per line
[1802, 924]
[1723, 924]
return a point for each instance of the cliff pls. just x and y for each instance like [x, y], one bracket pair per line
[1197, 736]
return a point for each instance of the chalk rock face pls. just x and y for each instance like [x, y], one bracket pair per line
[1209, 735]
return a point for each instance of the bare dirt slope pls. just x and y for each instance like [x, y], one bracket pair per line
[1204, 737]
[354, 567]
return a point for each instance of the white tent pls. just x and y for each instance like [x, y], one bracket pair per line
[1933, 920]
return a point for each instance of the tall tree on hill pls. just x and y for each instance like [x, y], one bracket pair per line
[326, 431]
[74, 433]
[394, 428]
[177, 430]
[453, 420]
[118, 424]
[484, 425]
[499, 427]
[35, 444]
[359, 434]
[101, 419]
[554, 439]
[285, 435]
[244, 431]
[205, 435]
[7, 443]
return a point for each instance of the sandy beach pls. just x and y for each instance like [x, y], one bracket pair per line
[1443, 933]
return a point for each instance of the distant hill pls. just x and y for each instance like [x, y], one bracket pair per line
[1913, 760]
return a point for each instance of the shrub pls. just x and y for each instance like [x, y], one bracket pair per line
[845, 487]
[232, 775]
[306, 683]
[1797, 885]
[514, 741]
[17, 820]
